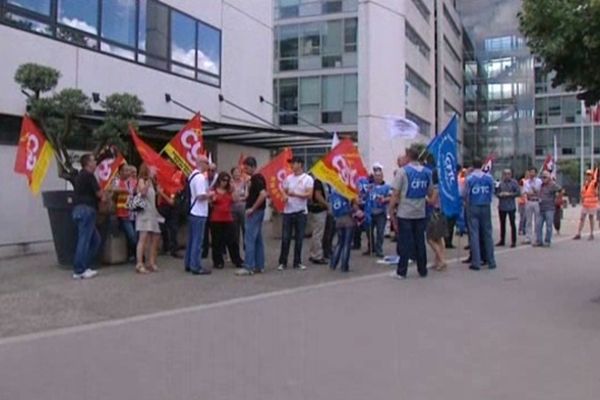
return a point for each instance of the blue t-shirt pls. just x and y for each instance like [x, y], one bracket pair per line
[378, 193]
[480, 188]
[340, 206]
[418, 182]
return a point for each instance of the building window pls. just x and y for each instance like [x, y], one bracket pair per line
[37, 6]
[288, 47]
[289, 8]
[424, 126]
[350, 35]
[288, 101]
[332, 45]
[451, 22]
[209, 49]
[332, 6]
[79, 14]
[118, 21]
[311, 40]
[450, 80]
[417, 82]
[451, 50]
[318, 99]
[423, 9]
[415, 39]
[161, 37]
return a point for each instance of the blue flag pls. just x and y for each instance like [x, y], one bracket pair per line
[443, 149]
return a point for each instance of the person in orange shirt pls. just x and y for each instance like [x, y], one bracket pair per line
[589, 200]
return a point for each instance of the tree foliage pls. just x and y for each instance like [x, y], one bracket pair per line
[565, 35]
[59, 114]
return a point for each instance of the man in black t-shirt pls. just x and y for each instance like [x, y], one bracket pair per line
[87, 196]
[318, 207]
[256, 202]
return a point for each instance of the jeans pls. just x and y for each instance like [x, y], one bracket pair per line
[522, 219]
[378, 222]
[169, 228]
[88, 237]
[411, 242]
[316, 244]
[532, 210]
[546, 217]
[513, 228]
[342, 249]
[481, 228]
[295, 222]
[451, 223]
[239, 219]
[222, 234]
[196, 226]
[127, 226]
[328, 236]
[255, 249]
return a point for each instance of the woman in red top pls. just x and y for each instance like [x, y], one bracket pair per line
[222, 228]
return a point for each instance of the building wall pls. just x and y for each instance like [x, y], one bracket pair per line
[246, 73]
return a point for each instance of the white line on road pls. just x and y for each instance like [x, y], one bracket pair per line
[225, 303]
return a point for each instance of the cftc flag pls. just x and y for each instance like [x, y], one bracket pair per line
[186, 145]
[34, 153]
[443, 148]
[399, 127]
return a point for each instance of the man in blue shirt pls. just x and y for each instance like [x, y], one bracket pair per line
[411, 187]
[478, 192]
[380, 197]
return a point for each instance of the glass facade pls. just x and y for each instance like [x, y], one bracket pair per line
[327, 99]
[316, 45]
[305, 8]
[143, 31]
[499, 86]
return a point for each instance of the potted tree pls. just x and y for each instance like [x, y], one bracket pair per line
[59, 115]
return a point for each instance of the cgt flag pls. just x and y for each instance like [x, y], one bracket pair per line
[443, 149]
[275, 173]
[186, 145]
[341, 168]
[34, 153]
[163, 169]
[107, 169]
[549, 165]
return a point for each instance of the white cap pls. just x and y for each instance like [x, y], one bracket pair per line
[377, 165]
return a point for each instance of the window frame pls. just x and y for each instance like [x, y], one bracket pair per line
[55, 27]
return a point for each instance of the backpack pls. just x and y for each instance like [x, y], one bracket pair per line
[184, 197]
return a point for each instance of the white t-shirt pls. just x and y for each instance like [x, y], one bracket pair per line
[297, 184]
[198, 186]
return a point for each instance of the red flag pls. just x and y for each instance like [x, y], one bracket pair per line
[341, 168]
[34, 153]
[162, 169]
[186, 145]
[275, 173]
[107, 169]
[488, 164]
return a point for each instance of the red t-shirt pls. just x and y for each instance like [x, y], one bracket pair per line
[221, 208]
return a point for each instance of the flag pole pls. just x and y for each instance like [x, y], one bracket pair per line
[581, 155]
[592, 114]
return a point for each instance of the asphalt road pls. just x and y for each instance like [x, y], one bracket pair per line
[528, 330]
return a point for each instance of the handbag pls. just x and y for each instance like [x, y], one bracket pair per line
[136, 203]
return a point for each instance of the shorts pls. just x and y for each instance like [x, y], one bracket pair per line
[588, 211]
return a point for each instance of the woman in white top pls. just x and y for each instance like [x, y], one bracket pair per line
[147, 222]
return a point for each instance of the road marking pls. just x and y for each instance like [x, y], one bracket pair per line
[225, 303]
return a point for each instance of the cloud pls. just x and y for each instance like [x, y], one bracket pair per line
[78, 24]
[186, 57]
[496, 18]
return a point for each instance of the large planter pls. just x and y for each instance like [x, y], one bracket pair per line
[59, 204]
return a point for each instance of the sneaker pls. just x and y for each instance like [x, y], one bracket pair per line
[300, 267]
[244, 272]
[591, 237]
[577, 237]
[87, 274]
[281, 267]
[396, 276]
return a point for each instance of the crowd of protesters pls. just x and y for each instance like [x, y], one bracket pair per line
[225, 213]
